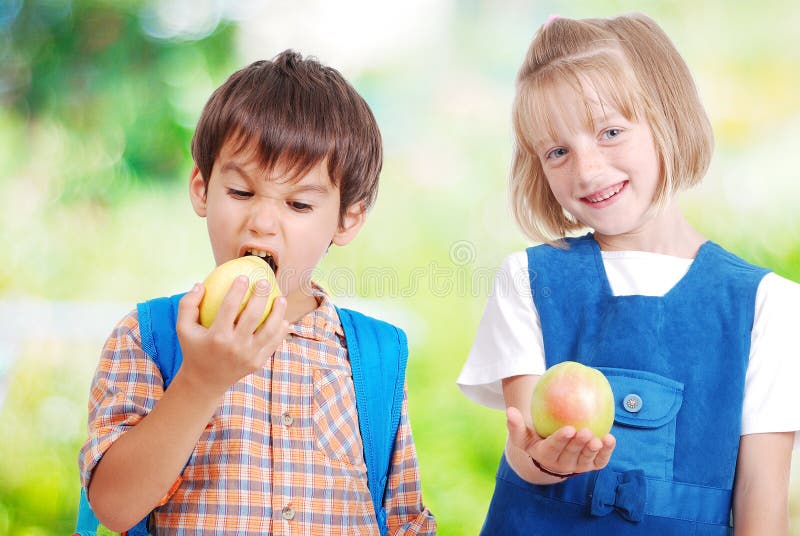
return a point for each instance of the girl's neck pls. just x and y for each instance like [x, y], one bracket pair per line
[667, 232]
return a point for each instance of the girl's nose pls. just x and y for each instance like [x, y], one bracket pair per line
[589, 163]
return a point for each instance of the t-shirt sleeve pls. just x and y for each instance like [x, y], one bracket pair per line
[771, 394]
[126, 386]
[509, 337]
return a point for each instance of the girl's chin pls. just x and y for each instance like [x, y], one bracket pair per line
[612, 231]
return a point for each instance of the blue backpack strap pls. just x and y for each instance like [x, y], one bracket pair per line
[157, 320]
[160, 342]
[378, 354]
[87, 522]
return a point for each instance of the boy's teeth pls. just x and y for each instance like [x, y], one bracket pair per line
[258, 252]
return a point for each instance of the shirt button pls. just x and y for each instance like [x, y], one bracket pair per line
[287, 419]
[288, 513]
[632, 403]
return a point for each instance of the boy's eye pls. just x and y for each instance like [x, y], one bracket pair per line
[556, 153]
[239, 194]
[300, 207]
[612, 133]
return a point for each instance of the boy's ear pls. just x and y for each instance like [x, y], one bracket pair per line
[197, 192]
[351, 223]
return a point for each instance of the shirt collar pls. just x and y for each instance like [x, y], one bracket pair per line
[321, 323]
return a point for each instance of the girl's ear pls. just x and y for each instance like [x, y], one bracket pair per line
[197, 192]
[352, 221]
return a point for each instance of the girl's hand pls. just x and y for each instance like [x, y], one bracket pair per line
[217, 357]
[566, 451]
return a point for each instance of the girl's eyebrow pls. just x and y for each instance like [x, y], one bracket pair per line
[609, 115]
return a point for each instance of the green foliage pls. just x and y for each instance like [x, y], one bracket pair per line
[103, 531]
[43, 425]
[64, 63]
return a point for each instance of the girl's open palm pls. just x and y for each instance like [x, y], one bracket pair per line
[566, 451]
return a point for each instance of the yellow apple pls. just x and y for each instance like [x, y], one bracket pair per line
[573, 394]
[220, 280]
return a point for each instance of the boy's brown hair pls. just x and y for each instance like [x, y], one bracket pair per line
[632, 65]
[295, 113]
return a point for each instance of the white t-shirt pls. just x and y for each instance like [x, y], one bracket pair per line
[509, 338]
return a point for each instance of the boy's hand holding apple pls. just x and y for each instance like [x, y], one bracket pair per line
[230, 326]
[572, 411]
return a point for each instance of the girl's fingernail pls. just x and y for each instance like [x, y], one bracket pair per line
[196, 287]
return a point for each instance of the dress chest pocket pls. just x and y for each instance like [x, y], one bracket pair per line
[645, 415]
[335, 416]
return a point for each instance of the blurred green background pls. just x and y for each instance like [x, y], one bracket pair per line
[99, 99]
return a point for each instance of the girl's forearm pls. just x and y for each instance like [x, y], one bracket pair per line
[761, 516]
[139, 469]
[521, 463]
[761, 488]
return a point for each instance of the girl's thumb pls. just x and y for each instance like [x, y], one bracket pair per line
[516, 426]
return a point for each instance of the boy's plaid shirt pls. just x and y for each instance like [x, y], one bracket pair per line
[283, 452]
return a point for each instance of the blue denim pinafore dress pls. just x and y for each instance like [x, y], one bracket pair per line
[676, 364]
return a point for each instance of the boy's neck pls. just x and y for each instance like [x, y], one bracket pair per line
[299, 304]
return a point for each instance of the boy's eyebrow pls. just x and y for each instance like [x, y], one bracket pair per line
[236, 168]
[295, 189]
[310, 188]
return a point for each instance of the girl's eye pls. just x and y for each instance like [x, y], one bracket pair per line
[239, 194]
[556, 153]
[612, 133]
[300, 207]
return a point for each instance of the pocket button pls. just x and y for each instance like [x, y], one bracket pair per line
[632, 403]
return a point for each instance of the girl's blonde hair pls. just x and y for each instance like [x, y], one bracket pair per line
[633, 66]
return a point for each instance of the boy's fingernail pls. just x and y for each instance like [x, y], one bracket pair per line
[242, 279]
[262, 284]
[196, 287]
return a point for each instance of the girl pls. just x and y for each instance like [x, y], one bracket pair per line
[697, 344]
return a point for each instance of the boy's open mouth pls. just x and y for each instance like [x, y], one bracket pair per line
[266, 256]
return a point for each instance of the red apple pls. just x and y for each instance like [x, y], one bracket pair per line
[572, 394]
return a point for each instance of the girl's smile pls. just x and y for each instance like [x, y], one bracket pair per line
[606, 196]
[603, 169]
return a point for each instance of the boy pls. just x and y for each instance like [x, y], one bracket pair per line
[258, 432]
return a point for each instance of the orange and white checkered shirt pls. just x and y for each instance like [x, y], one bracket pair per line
[283, 452]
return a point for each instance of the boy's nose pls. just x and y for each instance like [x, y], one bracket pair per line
[263, 219]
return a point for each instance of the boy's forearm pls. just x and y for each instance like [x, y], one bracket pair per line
[138, 470]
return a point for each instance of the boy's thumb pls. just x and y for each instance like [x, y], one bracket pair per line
[189, 306]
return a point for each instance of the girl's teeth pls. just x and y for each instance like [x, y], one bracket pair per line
[604, 197]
